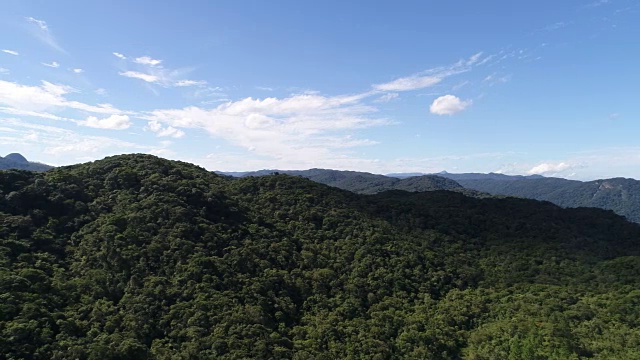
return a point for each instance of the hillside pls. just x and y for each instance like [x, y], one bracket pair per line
[136, 257]
[363, 182]
[618, 194]
[17, 161]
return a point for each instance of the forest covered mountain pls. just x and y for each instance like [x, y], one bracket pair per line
[137, 257]
[17, 161]
[618, 194]
[363, 182]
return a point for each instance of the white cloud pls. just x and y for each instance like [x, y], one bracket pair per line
[138, 75]
[432, 76]
[43, 33]
[409, 83]
[44, 115]
[41, 24]
[495, 78]
[474, 58]
[387, 97]
[120, 56]
[4, 71]
[448, 105]
[113, 122]
[169, 131]
[549, 168]
[46, 96]
[145, 60]
[300, 129]
[155, 73]
[52, 64]
[11, 52]
[77, 71]
[183, 83]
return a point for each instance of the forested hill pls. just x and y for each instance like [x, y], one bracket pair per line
[17, 161]
[363, 182]
[136, 257]
[618, 194]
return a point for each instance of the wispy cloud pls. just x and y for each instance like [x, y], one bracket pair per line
[119, 56]
[47, 96]
[387, 97]
[10, 52]
[4, 71]
[432, 76]
[597, 3]
[52, 64]
[142, 76]
[553, 27]
[146, 60]
[154, 73]
[448, 105]
[183, 83]
[496, 78]
[410, 83]
[41, 30]
[77, 71]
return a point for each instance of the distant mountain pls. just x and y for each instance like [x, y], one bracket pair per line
[489, 176]
[18, 158]
[17, 161]
[469, 176]
[365, 183]
[619, 194]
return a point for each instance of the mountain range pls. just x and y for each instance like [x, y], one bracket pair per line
[365, 183]
[137, 257]
[618, 194]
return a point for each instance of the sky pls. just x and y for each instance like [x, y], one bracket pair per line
[537, 87]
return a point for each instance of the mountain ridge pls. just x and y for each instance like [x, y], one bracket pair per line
[621, 195]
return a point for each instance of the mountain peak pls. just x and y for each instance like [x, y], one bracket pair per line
[15, 157]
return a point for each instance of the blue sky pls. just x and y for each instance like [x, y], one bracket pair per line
[542, 87]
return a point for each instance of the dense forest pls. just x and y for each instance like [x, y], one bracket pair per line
[137, 257]
[618, 194]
